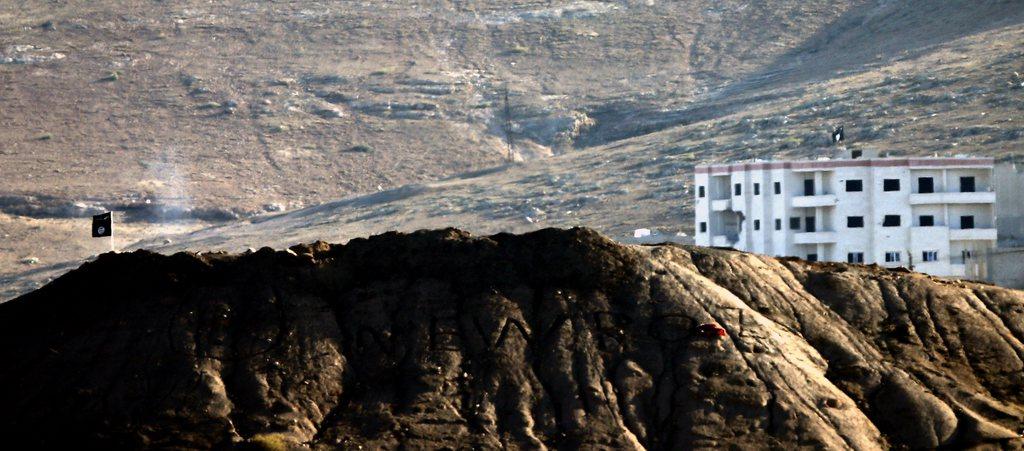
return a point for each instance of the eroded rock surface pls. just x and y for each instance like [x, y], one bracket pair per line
[554, 339]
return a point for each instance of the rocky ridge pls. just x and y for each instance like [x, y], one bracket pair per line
[553, 339]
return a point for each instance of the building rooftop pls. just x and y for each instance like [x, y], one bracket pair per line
[832, 163]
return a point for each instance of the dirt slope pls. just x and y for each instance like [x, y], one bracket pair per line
[215, 110]
[225, 108]
[229, 109]
[554, 339]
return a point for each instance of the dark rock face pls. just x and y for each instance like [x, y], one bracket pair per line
[555, 339]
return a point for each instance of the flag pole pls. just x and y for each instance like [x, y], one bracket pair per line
[111, 231]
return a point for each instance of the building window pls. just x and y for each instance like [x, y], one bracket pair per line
[855, 257]
[703, 227]
[794, 223]
[778, 224]
[892, 257]
[855, 222]
[700, 191]
[757, 224]
[967, 222]
[854, 186]
[891, 185]
[927, 221]
[925, 185]
[809, 224]
[812, 257]
[930, 256]
[966, 184]
[809, 187]
[891, 221]
[778, 188]
[738, 189]
[757, 189]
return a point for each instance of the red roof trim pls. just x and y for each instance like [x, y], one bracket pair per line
[719, 169]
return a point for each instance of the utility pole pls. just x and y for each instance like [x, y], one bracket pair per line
[508, 125]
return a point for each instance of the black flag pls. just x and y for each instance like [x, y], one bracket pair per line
[837, 135]
[103, 225]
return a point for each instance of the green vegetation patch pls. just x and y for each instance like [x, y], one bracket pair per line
[111, 77]
[360, 148]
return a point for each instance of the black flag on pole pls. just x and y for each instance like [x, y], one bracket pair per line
[103, 225]
[838, 136]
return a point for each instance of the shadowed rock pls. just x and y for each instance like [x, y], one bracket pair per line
[554, 339]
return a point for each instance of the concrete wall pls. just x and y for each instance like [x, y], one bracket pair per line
[701, 208]
[890, 239]
[781, 239]
[1006, 267]
[853, 204]
[1008, 180]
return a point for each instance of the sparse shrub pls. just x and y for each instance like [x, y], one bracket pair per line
[872, 133]
[266, 442]
[208, 106]
[923, 82]
[816, 139]
[335, 96]
[790, 142]
[360, 148]
[189, 80]
[972, 131]
[324, 79]
[44, 137]
[328, 113]
[1000, 101]
[1005, 135]
[517, 50]
[111, 77]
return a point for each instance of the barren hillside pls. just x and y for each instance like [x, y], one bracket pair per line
[554, 339]
[249, 104]
[222, 111]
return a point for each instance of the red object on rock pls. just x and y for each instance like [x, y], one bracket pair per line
[710, 330]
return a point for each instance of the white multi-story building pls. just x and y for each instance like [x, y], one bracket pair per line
[934, 215]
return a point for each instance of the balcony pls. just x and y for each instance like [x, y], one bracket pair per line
[972, 234]
[721, 204]
[724, 240]
[815, 238]
[820, 200]
[979, 197]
